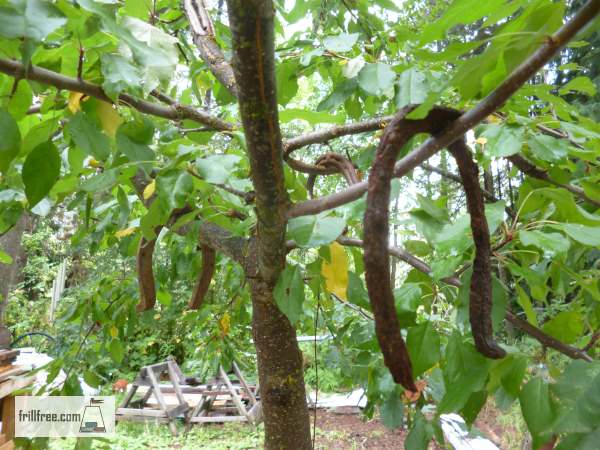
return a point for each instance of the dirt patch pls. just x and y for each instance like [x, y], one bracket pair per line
[346, 429]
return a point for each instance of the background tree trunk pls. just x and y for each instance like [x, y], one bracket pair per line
[10, 243]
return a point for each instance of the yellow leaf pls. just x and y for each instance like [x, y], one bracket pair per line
[149, 190]
[114, 332]
[493, 119]
[109, 117]
[74, 100]
[124, 232]
[336, 271]
[225, 324]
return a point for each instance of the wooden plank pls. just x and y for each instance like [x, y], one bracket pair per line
[236, 399]
[10, 445]
[13, 372]
[238, 373]
[176, 370]
[8, 417]
[140, 412]
[218, 419]
[160, 399]
[8, 354]
[178, 410]
[174, 379]
[132, 390]
[14, 384]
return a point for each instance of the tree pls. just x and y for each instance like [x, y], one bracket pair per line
[137, 164]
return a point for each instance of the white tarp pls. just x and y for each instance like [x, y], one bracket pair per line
[30, 359]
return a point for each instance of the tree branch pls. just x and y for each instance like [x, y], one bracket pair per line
[402, 255]
[171, 112]
[531, 170]
[203, 34]
[252, 26]
[545, 339]
[539, 335]
[469, 119]
[321, 136]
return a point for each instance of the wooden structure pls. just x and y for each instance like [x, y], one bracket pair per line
[219, 400]
[12, 378]
[149, 377]
[225, 401]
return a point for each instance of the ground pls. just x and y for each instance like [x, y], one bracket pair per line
[335, 430]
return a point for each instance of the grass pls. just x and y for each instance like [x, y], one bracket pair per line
[140, 436]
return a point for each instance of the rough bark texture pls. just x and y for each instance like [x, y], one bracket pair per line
[376, 237]
[206, 274]
[336, 164]
[10, 243]
[283, 394]
[280, 372]
[146, 274]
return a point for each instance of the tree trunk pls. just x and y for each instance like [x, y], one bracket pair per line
[10, 243]
[282, 392]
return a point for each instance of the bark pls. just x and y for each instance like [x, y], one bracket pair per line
[10, 243]
[175, 111]
[468, 120]
[280, 371]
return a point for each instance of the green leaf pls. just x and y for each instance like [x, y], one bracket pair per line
[164, 298]
[578, 393]
[312, 117]
[34, 19]
[217, 169]
[100, 182]
[583, 234]
[40, 171]
[117, 351]
[548, 148]
[289, 293]
[525, 303]
[133, 150]
[459, 12]
[5, 258]
[424, 347]
[376, 79]
[88, 136]
[413, 88]
[537, 407]
[357, 293]
[566, 326]
[20, 100]
[502, 139]
[552, 244]
[339, 95]
[341, 43]
[392, 411]
[119, 75]
[11, 140]
[174, 186]
[92, 379]
[286, 74]
[313, 231]
[579, 84]
[420, 434]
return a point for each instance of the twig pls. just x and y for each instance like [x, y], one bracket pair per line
[172, 112]
[469, 119]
